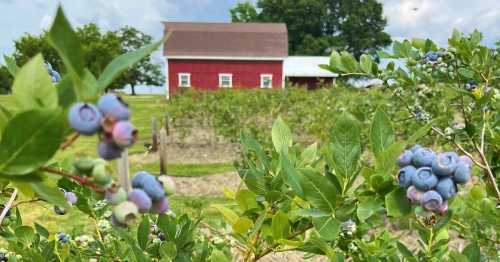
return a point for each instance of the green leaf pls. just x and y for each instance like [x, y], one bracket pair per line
[123, 62]
[381, 133]
[32, 87]
[65, 41]
[5, 115]
[25, 234]
[218, 256]
[421, 132]
[228, 214]
[242, 225]
[280, 225]
[281, 136]
[50, 194]
[348, 62]
[143, 233]
[327, 226]
[387, 160]
[405, 252]
[291, 176]
[309, 154]
[336, 63]
[466, 73]
[90, 89]
[168, 250]
[246, 199]
[29, 141]
[42, 231]
[367, 208]
[366, 63]
[457, 257]
[396, 203]
[346, 146]
[66, 92]
[11, 65]
[472, 252]
[319, 191]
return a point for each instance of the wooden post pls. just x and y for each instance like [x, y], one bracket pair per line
[163, 151]
[123, 171]
[167, 127]
[154, 135]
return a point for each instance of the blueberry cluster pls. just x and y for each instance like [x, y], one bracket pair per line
[471, 85]
[62, 238]
[95, 170]
[109, 119]
[149, 194]
[436, 62]
[54, 75]
[431, 179]
[70, 197]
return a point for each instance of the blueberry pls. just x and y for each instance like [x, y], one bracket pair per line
[124, 134]
[85, 118]
[423, 157]
[443, 208]
[462, 173]
[154, 189]
[415, 148]
[431, 56]
[445, 164]
[405, 175]
[467, 160]
[424, 179]
[140, 177]
[413, 194]
[141, 199]
[71, 197]
[62, 237]
[101, 175]
[60, 210]
[446, 188]
[161, 236]
[56, 77]
[116, 196]
[161, 206]
[114, 107]
[109, 151]
[405, 158]
[125, 212]
[471, 85]
[431, 200]
[168, 184]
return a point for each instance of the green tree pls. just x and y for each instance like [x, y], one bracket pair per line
[315, 27]
[5, 80]
[144, 72]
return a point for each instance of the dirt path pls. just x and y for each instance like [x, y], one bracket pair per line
[211, 185]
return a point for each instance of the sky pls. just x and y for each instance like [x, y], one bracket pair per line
[433, 19]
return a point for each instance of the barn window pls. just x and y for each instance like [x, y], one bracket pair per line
[266, 81]
[226, 80]
[184, 80]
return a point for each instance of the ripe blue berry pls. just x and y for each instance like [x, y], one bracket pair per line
[443, 208]
[445, 164]
[423, 157]
[431, 200]
[141, 199]
[413, 194]
[168, 184]
[467, 160]
[154, 189]
[405, 158]
[405, 175]
[109, 151]
[124, 134]
[415, 148]
[446, 188]
[85, 118]
[125, 212]
[62, 237]
[424, 179]
[71, 197]
[116, 196]
[161, 236]
[140, 177]
[114, 107]
[161, 206]
[462, 173]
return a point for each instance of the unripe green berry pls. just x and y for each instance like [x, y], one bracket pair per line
[125, 212]
[168, 184]
[84, 165]
[101, 175]
[118, 196]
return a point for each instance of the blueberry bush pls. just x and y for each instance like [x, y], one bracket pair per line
[409, 176]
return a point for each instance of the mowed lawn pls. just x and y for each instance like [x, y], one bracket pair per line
[143, 109]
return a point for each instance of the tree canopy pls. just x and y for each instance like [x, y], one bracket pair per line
[99, 48]
[316, 27]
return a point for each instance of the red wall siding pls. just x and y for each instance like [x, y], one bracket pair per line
[205, 73]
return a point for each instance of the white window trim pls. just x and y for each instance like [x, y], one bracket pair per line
[262, 76]
[188, 79]
[230, 80]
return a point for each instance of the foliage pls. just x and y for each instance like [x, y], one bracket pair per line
[315, 27]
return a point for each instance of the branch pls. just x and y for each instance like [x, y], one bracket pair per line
[69, 141]
[84, 181]
[270, 249]
[26, 202]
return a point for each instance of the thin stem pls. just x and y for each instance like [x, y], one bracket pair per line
[26, 202]
[270, 249]
[97, 230]
[82, 180]
[69, 141]
[8, 206]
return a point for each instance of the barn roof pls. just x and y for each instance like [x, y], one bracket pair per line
[307, 66]
[251, 40]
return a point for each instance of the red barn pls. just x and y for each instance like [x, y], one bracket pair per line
[210, 56]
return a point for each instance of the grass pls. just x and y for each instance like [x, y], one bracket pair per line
[186, 170]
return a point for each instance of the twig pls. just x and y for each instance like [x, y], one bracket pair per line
[7, 206]
[26, 202]
[270, 249]
[69, 141]
[82, 180]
